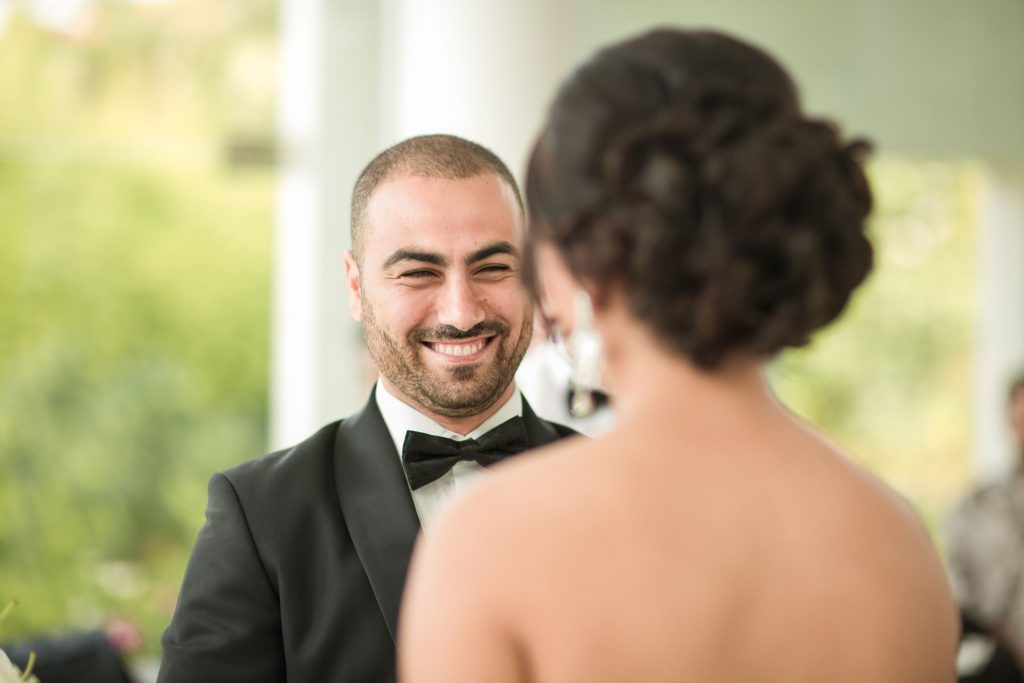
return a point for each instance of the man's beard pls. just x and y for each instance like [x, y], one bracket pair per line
[460, 391]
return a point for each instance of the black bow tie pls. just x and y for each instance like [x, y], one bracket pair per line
[427, 458]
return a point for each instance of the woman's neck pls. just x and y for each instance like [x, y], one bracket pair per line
[647, 379]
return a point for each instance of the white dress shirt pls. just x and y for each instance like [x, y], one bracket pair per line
[400, 418]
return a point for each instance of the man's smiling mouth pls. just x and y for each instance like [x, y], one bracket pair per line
[462, 349]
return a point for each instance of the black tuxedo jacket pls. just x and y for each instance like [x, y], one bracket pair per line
[298, 571]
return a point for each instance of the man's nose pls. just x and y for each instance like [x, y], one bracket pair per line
[459, 304]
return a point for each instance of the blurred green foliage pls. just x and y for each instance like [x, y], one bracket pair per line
[134, 296]
[891, 380]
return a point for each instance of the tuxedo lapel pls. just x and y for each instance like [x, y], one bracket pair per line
[538, 432]
[376, 505]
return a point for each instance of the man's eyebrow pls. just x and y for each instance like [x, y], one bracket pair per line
[415, 255]
[491, 250]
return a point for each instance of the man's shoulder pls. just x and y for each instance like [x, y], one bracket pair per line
[993, 496]
[561, 429]
[283, 488]
[284, 466]
[987, 516]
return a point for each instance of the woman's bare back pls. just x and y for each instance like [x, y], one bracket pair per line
[662, 553]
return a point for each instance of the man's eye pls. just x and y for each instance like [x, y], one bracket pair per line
[495, 268]
[418, 273]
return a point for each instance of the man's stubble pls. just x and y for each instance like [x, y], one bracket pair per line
[469, 389]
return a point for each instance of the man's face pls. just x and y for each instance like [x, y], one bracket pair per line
[438, 291]
[1017, 415]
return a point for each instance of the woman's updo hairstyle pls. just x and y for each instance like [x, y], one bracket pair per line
[679, 167]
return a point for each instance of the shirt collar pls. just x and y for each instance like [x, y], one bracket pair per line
[400, 418]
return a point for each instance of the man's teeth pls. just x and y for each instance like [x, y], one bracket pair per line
[459, 349]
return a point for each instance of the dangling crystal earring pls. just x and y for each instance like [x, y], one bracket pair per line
[586, 352]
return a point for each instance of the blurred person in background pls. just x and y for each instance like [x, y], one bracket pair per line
[298, 572]
[985, 541]
[81, 657]
[681, 200]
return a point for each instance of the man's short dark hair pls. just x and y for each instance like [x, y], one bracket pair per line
[431, 156]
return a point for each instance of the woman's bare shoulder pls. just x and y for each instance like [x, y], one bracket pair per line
[528, 501]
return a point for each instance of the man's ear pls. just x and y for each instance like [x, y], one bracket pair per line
[355, 287]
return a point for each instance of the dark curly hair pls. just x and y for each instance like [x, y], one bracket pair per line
[679, 166]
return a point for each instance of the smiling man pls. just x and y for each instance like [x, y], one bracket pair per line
[298, 572]
[435, 280]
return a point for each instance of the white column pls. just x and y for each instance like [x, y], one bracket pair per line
[328, 128]
[481, 69]
[1000, 328]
